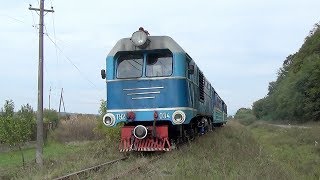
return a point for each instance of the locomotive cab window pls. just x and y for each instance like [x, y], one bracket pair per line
[129, 66]
[159, 64]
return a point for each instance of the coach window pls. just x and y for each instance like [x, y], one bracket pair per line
[159, 64]
[130, 66]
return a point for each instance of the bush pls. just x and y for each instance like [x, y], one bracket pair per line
[77, 128]
[50, 115]
[245, 116]
[16, 129]
[111, 133]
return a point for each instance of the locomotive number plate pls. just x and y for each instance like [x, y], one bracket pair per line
[164, 115]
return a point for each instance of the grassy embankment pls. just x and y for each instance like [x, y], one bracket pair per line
[235, 151]
[295, 149]
[231, 152]
[72, 146]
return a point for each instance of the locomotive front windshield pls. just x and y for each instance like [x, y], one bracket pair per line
[130, 66]
[159, 65]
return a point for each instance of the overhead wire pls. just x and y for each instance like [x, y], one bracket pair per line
[13, 18]
[74, 65]
[57, 48]
[55, 40]
[45, 67]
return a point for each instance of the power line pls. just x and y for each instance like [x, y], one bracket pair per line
[13, 18]
[74, 65]
[55, 40]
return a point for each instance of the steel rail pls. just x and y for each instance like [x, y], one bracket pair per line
[89, 169]
[137, 167]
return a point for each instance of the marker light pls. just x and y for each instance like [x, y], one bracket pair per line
[109, 119]
[131, 116]
[178, 117]
[140, 39]
[155, 115]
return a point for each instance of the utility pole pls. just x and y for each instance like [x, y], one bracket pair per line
[61, 101]
[39, 146]
[49, 97]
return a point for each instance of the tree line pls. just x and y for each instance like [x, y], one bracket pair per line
[295, 95]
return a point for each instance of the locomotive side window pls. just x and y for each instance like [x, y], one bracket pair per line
[130, 66]
[159, 65]
[201, 85]
[189, 62]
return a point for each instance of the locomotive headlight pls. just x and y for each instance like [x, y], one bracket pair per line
[109, 119]
[140, 132]
[140, 38]
[178, 117]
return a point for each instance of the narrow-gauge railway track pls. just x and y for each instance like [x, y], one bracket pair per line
[93, 168]
[136, 167]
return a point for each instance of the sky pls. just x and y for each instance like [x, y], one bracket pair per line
[239, 45]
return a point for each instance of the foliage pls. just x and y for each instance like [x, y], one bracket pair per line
[245, 116]
[111, 133]
[103, 107]
[50, 115]
[76, 128]
[295, 95]
[27, 112]
[8, 109]
[15, 129]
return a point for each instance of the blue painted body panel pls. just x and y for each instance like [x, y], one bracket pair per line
[177, 92]
[147, 115]
[172, 94]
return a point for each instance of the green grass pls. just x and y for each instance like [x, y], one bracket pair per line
[295, 149]
[59, 158]
[230, 152]
[52, 150]
[235, 151]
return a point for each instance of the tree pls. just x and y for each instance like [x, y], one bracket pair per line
[103, 107]
[16, 129]
[295, 95]
[245, 116]
[50, 115]
[26, 112]
[8, 109]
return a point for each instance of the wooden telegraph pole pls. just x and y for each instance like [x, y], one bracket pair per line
[49, 98]
[39, 146]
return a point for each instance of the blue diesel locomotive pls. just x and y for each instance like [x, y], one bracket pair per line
[155, 88]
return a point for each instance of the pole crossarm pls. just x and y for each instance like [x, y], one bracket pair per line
[38, 9]
[45, 10]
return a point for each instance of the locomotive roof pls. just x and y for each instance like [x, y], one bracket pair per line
[156, 42]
